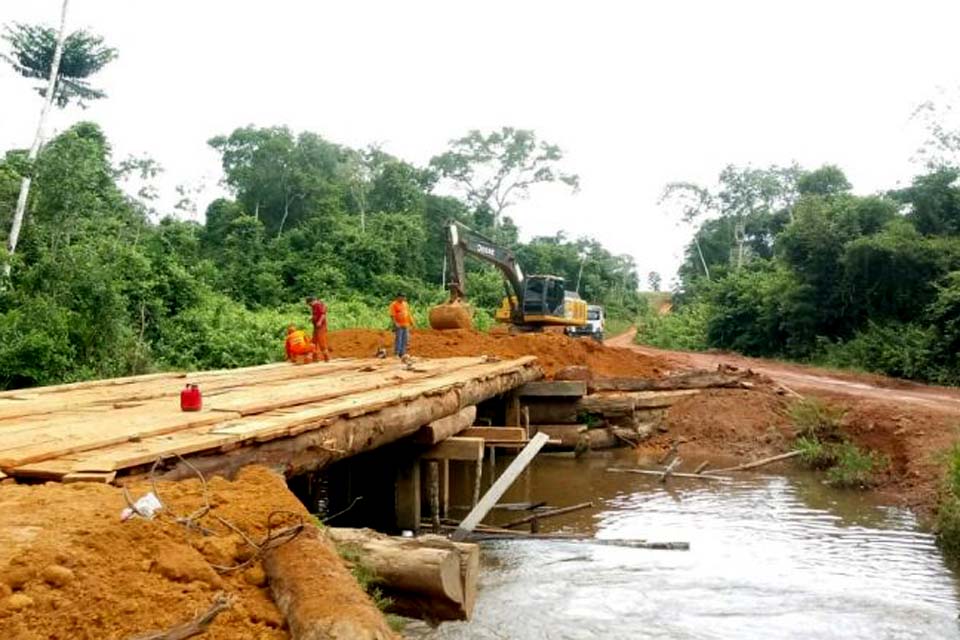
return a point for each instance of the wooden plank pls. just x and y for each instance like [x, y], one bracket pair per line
[554, 389]
[315, 390]
[495, 492]
[456, 448]
[510, 434]
[263, 428]
[65, 435]
[90, 476]
[138, 389]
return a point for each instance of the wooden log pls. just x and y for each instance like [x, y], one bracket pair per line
[675, 474]
[669, 470]
[428, 577]
[548, 513]
[758, 463]
[660, 399]
[607, 406]
[554, 389]
[348, 436]
[568, 435]
[445, 427]
[688, 380]
[500, 486]
[433, 490]
[302, 574]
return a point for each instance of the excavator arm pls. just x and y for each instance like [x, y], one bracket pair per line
[463, 241]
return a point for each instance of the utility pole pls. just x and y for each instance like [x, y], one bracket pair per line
[37, 141]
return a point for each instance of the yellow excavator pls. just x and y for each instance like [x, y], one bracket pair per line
[532, 303]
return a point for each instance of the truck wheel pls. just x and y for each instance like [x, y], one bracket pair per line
[598, 337]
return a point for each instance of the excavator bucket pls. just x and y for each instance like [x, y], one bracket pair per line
[451, 315]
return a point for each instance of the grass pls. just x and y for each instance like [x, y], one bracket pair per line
[816, 419]
[823, 446]
[367, 578]
[948, 511]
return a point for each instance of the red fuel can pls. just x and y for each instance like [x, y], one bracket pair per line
[190, 398]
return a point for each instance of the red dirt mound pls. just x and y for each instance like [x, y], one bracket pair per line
[746, 423]
[69, 568]
[554, 351]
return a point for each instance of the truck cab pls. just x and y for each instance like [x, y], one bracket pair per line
[594, 327]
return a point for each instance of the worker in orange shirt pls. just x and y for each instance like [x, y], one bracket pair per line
[318, 315]
[298, 348]
[402, 322]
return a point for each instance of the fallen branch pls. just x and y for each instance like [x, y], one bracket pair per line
[539, 515]
[654, 472]
[632, 544]
[198, 625]
[759, 463]
[669, 470]
[700, 467]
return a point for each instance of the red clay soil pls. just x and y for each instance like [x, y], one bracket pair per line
[912, 425]
[69, 568]
[553, 351]
[744, 423]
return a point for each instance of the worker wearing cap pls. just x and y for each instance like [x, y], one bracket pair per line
[298, 348]
[402, 322]
[318, 315]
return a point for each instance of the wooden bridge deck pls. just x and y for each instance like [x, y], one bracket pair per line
[317, 412]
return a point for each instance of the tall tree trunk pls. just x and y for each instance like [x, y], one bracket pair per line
[703, 261]
[37, 141]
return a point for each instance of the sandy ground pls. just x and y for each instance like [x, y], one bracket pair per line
[911, 424]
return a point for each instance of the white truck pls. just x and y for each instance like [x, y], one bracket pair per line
[594, 326]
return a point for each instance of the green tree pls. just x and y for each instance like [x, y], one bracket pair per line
[66, 63]
[497, 169]
[654, 281]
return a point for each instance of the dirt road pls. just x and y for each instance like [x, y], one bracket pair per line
[805, 379]
[911, 425]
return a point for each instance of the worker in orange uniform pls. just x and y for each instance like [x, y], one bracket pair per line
[298, 348]
[402, 322]
[318, 315]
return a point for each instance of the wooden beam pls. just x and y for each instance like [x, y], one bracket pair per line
[554, 389]
[408, 495]
[510, 434]
[495, 492]
[441, 429]
[456, 448]
[91, 476]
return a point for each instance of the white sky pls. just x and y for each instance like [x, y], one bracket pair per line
[637, 93]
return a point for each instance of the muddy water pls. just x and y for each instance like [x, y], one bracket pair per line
[771, 557]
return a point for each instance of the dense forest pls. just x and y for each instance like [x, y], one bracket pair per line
[103, 285]
[789, 263]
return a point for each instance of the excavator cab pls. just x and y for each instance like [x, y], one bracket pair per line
[546, 302]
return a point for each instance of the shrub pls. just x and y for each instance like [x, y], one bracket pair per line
[854, 468]
[815, 419]
[948, 511]
[684, 328]
[894, 349]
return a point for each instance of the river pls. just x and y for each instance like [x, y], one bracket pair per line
[772, 556]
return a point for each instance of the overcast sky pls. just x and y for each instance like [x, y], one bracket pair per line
[636, 93]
